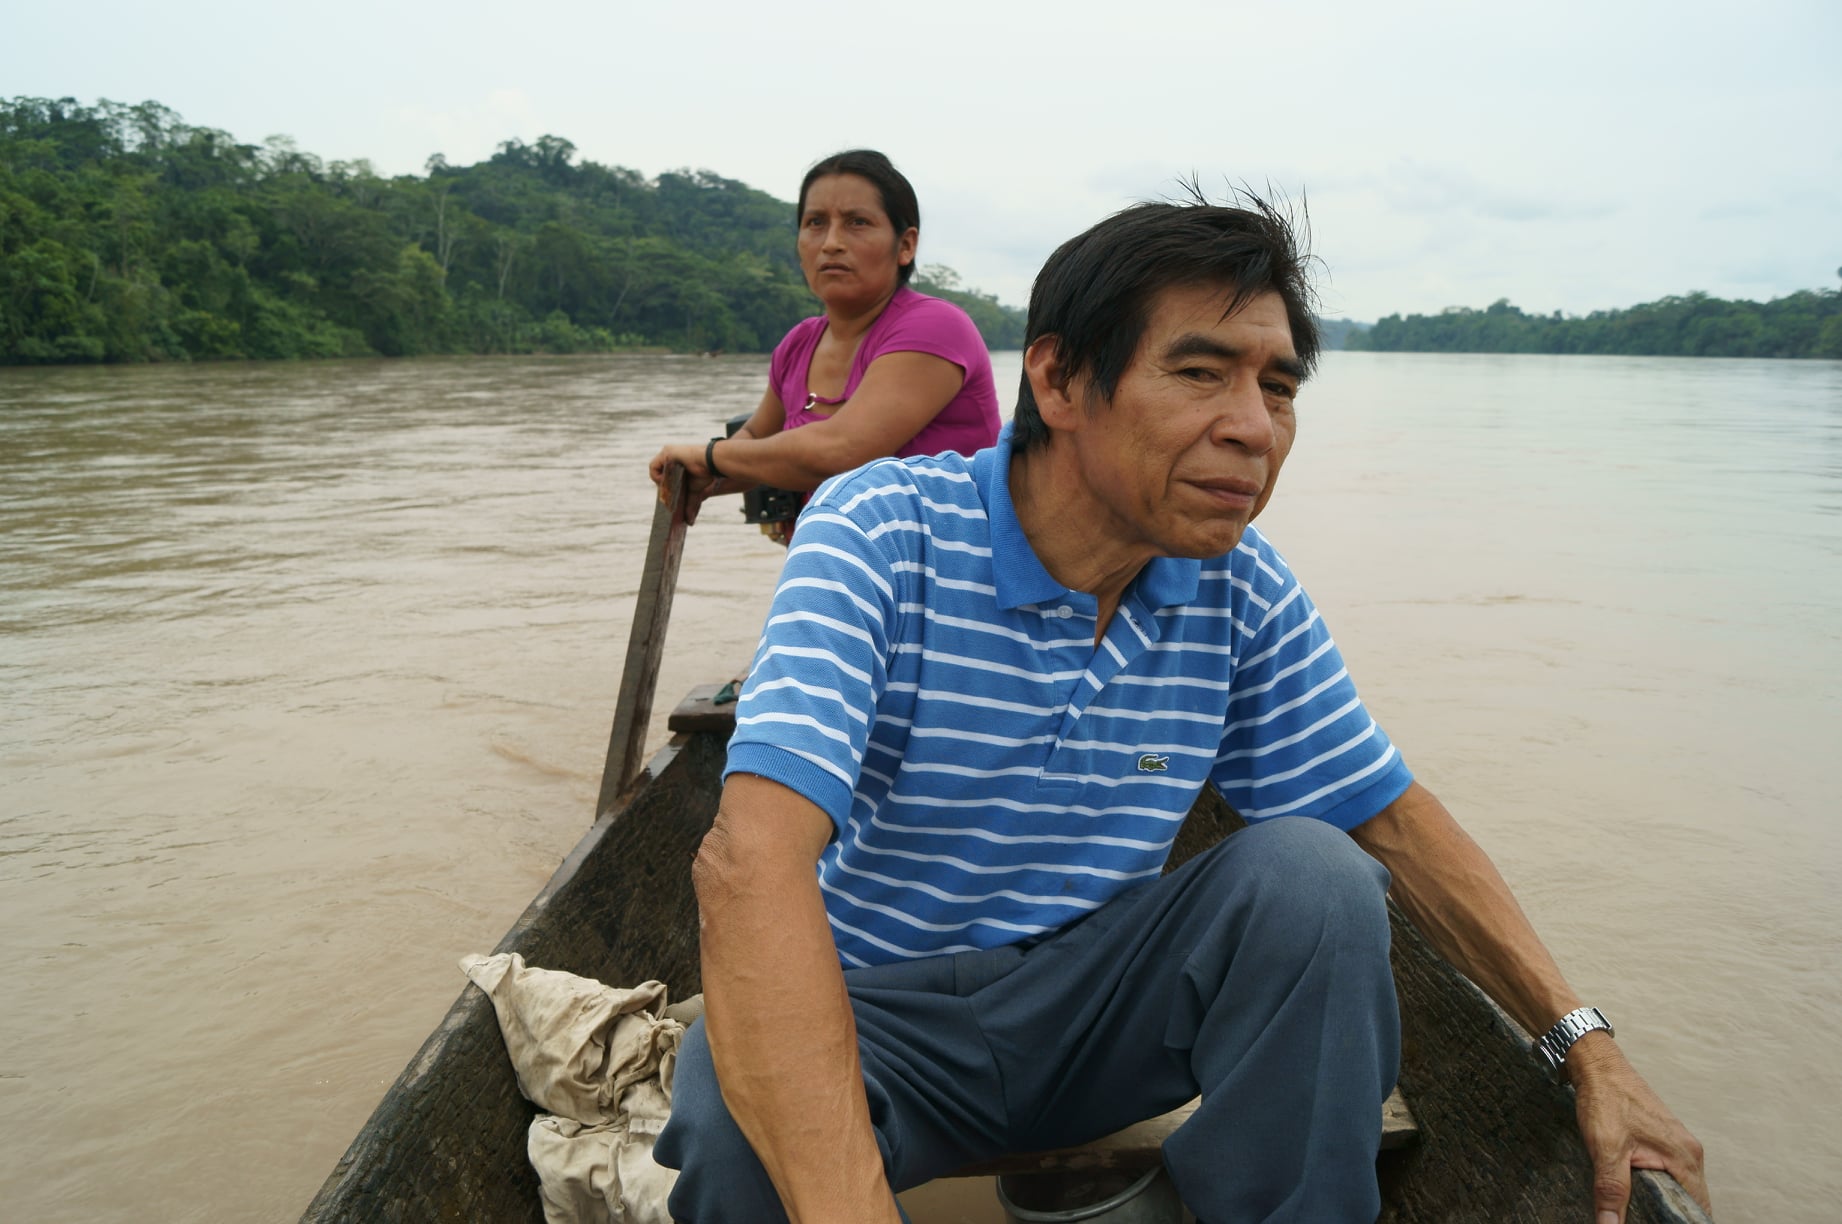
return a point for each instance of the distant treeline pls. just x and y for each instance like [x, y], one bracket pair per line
[1803, 324]
[128, 235]
[1336, 333]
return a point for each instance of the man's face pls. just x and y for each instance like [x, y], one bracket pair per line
[1189, 449]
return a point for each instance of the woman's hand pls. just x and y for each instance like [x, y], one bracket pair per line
[698, 482]
[688, 455]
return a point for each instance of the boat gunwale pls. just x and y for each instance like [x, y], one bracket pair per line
[1481, 1096]
[343, 1195]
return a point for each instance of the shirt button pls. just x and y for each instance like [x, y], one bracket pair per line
[1064, 611]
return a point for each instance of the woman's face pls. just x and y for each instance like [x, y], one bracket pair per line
[851, 255]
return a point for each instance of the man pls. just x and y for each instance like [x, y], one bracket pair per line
[986, 695]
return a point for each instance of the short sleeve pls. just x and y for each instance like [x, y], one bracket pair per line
[941, 329]
[1298, 741]
[787, 367]
[804, 716]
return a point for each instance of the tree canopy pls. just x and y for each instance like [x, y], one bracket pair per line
[128, 235]
[1803, 324]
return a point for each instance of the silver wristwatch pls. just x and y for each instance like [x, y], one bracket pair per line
[1555, 1043]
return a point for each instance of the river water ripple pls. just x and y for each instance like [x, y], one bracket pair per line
[308, 672]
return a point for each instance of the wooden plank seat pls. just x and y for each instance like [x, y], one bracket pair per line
[699, 712]
[1135, 1149]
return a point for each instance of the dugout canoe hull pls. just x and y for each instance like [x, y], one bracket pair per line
[447, 1143]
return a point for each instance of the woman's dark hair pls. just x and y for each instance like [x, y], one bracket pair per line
[896, 192]
[1095, 294]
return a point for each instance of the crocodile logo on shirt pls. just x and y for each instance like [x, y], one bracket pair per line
[1153, 762]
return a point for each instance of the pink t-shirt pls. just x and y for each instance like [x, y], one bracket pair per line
[911, 323]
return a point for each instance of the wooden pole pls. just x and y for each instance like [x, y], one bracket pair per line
[645, 645]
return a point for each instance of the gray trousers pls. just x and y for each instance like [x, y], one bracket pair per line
[1256, 975]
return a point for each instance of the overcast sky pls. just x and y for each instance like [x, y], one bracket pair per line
[1565, 156]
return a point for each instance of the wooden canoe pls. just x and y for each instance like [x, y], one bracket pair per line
[1495, 1140]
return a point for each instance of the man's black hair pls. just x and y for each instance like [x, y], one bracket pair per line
[896, 192]
[1095, 294]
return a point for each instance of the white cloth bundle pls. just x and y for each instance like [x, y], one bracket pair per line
[601, 1060]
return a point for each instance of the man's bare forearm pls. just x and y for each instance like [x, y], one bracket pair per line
[779, 1022]
[1456, 897]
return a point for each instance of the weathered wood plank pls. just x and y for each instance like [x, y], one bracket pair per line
[652, 613]
[699, 712]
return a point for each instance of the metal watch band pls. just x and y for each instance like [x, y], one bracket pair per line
[1555, 1043]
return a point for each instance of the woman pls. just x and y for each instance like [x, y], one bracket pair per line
[884, 371]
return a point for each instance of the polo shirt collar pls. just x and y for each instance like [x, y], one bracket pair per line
[1018, 575]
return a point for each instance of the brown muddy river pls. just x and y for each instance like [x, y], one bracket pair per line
[307, 672]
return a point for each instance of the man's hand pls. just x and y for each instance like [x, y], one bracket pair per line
[1454, 895]
[1627, 1127]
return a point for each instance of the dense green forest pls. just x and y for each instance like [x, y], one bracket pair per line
[1336, 333]
[129, 235]
[1803, 324]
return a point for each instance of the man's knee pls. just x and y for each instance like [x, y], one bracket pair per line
[1310, 879]
[719, 1176]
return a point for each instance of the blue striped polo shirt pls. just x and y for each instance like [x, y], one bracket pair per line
[993, 774]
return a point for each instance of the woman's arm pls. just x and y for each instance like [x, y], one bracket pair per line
[899, 395]
[769, 416]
